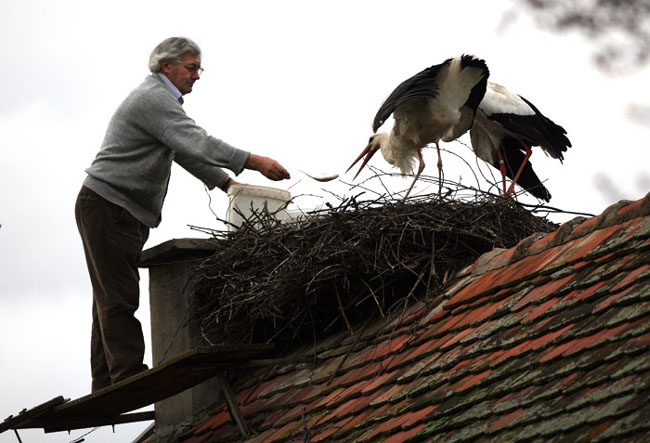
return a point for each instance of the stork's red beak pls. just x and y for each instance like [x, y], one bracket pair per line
[368, 152]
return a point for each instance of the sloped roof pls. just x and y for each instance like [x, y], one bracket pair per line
[547, 340]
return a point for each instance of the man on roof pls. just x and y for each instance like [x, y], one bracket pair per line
[123, 193]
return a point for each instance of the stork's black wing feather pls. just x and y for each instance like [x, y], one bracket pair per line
[529, 127]
[536, 129]
[514, 157]
[478, 91]
[554, 134]
[422, 84]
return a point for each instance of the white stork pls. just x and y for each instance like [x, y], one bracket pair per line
[506, 126]
[436, 104]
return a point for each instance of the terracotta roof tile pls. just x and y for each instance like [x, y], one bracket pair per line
[549, 340]
[403, 436]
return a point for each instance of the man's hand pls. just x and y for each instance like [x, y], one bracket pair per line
[268, 167]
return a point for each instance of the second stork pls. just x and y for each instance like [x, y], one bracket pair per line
[505, 128]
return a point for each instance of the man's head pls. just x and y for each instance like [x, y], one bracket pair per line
[179, 58]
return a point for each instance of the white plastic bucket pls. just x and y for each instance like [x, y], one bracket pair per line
[245, 199]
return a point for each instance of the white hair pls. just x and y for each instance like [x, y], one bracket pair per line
[171, 49]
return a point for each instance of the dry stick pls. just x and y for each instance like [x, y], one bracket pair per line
[381, 312]
[433, 258]
[345, 318]
[261, 378]
[401, 316]
[305, 429]
[279, 332]
[405, 300]
[350, 349]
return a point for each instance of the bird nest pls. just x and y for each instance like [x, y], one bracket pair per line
[292, 283]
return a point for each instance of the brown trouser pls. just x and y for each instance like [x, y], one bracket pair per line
[113, 241]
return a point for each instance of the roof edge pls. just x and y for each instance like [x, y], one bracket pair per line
[578, 227]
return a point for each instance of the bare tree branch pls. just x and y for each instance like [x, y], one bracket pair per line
[621, 28]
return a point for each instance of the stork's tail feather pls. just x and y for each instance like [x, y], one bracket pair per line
[556, 141]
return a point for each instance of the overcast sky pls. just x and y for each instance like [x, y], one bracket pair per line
[297, 81]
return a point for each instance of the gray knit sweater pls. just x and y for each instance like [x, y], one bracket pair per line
[148, 131]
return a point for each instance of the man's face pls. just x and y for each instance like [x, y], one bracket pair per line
[183, 74]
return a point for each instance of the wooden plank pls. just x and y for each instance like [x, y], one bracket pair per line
[90, 422]
[160, 382]
[26, 415]
[143, 389]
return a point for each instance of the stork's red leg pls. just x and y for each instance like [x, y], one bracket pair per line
[521, 168]
[502, 168]
[439, 171]
[420, 169]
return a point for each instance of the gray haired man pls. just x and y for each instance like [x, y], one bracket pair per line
[123, 193]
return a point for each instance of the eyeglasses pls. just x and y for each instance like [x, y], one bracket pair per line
[192, 68]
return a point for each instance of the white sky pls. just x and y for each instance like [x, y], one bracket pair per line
[297, 81]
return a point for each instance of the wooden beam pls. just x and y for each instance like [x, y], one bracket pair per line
[26, 416]
[90, 422]
[233, 406]
[143, 389]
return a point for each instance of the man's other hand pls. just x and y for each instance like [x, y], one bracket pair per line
[268, 167]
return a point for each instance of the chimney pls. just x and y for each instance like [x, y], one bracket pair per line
[171, 265]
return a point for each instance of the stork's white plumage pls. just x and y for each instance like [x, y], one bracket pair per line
[436, 104]
[506, 126]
